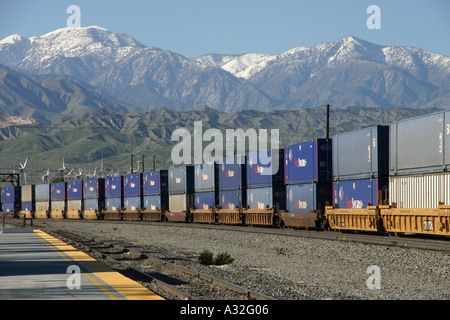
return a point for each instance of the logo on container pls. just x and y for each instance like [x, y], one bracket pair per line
[230, 173]
[300, 162]
[177, 180]
[151, 183]
[301, 204]
[204, 177]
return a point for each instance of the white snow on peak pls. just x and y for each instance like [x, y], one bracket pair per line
[13, 39]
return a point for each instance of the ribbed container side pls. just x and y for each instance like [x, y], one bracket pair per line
[156, 202]
[263, 170]
[132, 203]
[27, 206]
[155, 182]
[42, 192]
[420, 191]
[113, 204]
[206, 200]
[181, 202]
[262, 198]
[113, 187]
[27, 193]
[233, 199]
[10, 206]
[58, 191]
[233, 174]
[358, 194]
[10, 194]
[308, 162]
[93, 204]
[58, 205]
[418, 144]
[303, 198]
[361, 154]
[206, 177]
[43, 205]
[94, 188]
[132, 185]
[75, 204]
[181, 180]
[75, 190]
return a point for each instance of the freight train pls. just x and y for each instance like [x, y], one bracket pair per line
[386, 178]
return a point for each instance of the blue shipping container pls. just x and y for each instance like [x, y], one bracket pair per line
[263, 170]
[58, 191]
[232, 175]
[93, 204]
[358, 194]
[261, 198]
[132, 203]
[113, 187]
[206, 177]
[308, 197]
[75, 190]
[27, 206]
[308, 162]
[113, 204]
[155, 182]
[156, 202]
[205, 200]
[42, 192]
[132, 185]
[181, 180]
[10, 206]
[94, 189]
[11, 194]
[233, 199]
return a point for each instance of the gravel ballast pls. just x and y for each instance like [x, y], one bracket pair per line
[286, 267]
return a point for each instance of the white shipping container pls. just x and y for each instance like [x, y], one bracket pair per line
[42, 205]
[74, 205]
[181, 202]
[59, 205]
[420, 191]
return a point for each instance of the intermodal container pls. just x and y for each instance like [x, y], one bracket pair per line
[75, 204]
[156, 202]
[233, 174]
[113, 187]
[361, 154]
[43, 205]
[132, 203]
[308, 162]
[419, 145]
[132, 185]
[58, 191]
[10, 207]
[113, 204]
[27, 193]
[155, 182]
[358, 194]
[263, 170]
[93, 204]
[58, 205]
[308, 197]
[27, 206]
[262, 198]
[94, 188]
[181, 202]
[42, 192]
[206, 200]
[420, 190]
[10, 194]
[233, 199]
[75, 190]
[181, 180]
[206, 177]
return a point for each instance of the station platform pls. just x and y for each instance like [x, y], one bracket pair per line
[37, 266]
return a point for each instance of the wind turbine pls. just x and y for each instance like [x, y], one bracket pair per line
[80, 172]
[22, 169]
[63, 169]
[46, 176]
[69, 174]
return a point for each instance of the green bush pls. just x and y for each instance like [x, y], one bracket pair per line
[207, 258]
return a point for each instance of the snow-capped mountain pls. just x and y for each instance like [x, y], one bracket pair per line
[349, 71]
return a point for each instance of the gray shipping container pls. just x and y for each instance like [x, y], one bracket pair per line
[181, 180]
[181, 202]
[59, 205]
[418, 145]
[361, 154]
[206, 177]
[27, 194]
[75, 205]
[43, 206]
[42, 192]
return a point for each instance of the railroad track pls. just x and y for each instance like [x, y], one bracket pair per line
[167, 279]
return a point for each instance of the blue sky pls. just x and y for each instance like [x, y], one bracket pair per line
[196, 27]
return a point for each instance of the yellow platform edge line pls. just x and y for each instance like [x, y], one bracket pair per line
[130, 289]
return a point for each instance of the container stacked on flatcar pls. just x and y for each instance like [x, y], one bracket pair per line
[206, 181]
[10, 200]
[155, 195]
[113, 198]
[308, 178]
[132, 196]
[43, 203]
[27, 201]
[58, 197]
[74, 199]
[93, 198]
[419, 182]
[360, 178]
[232, 190]
[181, 193]
[266, 192]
